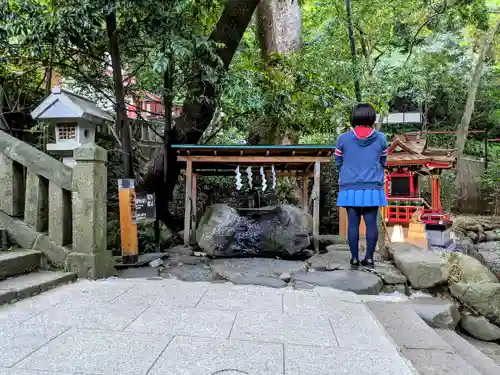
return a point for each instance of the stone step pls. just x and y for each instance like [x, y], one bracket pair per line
[24, 286]
[490, 349]
[429, 353]
[484, 364]
[18, 262]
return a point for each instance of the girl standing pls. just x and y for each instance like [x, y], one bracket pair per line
[361, 156]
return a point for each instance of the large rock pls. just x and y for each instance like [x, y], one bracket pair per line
[480, 328]
[492, 235]
[352, 281]
[489, 254]
[257, 280]
[423, 268]
[217, 226]
[467, 244]
[338, 247]
[473, 236]
[189, 272]
[255, 267]
[389, 273]
[466, 268]
[482, 297]
[391, 248]
[330, 239]
[334, 259]
[281, 230]
[437, 313]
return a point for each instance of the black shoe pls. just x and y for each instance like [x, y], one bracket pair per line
[367, 263]
[354, 263]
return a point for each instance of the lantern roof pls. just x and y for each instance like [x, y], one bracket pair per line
[63, 104]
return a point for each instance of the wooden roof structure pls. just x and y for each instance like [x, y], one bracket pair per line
[411, 149]
[288, 160]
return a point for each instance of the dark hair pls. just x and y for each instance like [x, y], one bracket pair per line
[363, 114]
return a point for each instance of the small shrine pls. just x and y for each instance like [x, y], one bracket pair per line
[243, 161]
[409, 159]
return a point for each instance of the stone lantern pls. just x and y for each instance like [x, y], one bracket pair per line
[75, 119]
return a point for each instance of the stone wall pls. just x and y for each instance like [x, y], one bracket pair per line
[55, 209]
[480, 236]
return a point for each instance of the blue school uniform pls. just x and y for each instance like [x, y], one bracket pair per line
[361, 162]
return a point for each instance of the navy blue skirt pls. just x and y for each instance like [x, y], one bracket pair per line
[362, 198]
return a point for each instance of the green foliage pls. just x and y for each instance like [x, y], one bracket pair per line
[490, 188]
[410, 57]
[449, 193]
[72, 37]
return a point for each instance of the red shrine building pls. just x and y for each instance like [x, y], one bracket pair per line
[409, 164]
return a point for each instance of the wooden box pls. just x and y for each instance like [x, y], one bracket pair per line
[416, 231]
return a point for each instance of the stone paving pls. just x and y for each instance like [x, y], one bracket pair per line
[170, 327]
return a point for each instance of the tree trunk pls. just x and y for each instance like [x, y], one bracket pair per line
[167, 105]
[49, 71]
[279, 31]
[197, 114]
[463, 128]
[352, 44]
[121, 123]
[279, 26]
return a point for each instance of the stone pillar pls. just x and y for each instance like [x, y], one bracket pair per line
[59, 215]
[37, 202]
[11, 187]
[90, 255]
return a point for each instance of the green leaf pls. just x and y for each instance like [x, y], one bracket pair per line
[161, 64]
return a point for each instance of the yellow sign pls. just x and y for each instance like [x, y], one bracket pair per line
[128, 228]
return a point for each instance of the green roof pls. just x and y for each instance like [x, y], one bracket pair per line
[255, 150]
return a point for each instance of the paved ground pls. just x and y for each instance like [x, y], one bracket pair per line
[170, 327]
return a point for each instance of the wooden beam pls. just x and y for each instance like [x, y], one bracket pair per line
[255, 159]
[278, 173]
[305, 193]
[188, 203]
[193, 210]
[316, 193]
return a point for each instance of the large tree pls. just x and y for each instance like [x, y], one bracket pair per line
[485, 44]
[200, 105]
[75, 36]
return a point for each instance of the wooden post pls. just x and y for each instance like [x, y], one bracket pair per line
[305, 194]
[193, 209]
[387, 181]
[315, 194]
[433, 192]
[188, 202]
[129, 236]
[438, 193]
[412, 186]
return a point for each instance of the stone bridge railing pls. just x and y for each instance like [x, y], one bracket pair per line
[61, 211]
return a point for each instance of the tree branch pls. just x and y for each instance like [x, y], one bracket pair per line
[428, 21]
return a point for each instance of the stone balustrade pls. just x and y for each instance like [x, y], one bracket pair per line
[61, 211]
